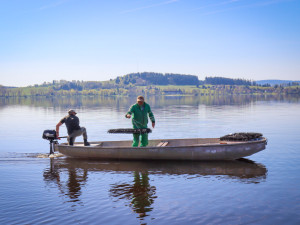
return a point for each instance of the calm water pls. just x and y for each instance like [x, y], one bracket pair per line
[262, 189]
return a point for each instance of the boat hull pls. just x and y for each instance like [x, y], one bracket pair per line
[178, 149]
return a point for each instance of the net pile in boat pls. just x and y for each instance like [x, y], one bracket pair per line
[129, 131]
[241, 137]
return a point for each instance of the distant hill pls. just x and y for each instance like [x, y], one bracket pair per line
[151, 78]
[1, 86]
[278, 82]
[227, 81]
[150, 83]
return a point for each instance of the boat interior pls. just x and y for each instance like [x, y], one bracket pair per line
[158, 143]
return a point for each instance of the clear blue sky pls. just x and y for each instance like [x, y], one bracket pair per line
[45, 40]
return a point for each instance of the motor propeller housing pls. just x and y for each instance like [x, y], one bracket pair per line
[49, 135]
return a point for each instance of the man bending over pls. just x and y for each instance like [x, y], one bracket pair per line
[74, 130]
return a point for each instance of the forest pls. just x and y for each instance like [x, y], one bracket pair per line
[149, 83]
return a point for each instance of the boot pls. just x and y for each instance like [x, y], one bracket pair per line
[71, 141]
[86, 143]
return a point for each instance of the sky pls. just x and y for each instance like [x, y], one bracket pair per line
[97, 40]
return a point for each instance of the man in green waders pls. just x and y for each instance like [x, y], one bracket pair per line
[139, 112]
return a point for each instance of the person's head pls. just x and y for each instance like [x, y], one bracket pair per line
[140, 100]
[72, 112]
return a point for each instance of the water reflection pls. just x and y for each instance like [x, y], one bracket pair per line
[77, 178]
[157, 101]
[138, 190]
[140, 193]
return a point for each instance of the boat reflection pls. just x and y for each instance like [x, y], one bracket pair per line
[138, 191]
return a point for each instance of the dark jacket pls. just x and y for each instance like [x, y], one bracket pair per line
[72, 123]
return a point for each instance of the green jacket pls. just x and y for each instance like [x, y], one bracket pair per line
[140, 115]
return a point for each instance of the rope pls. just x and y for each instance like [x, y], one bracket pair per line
[135, 123]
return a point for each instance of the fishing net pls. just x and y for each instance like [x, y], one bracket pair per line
[129, 131]
[241, 137]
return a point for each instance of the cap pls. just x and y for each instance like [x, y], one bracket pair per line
[140, 98]
[72, 111]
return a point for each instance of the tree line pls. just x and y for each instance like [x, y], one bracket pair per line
[148, 83]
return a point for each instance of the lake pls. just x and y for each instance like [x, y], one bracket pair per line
[261, 189]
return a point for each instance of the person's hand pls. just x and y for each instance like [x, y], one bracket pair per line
[153, 125]
[128, 116]
[57, 135]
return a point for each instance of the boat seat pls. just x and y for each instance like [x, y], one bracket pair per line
[162, 144]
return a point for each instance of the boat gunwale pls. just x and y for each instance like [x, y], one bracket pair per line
[231, 143]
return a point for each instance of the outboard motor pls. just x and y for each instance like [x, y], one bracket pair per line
[50, 135]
